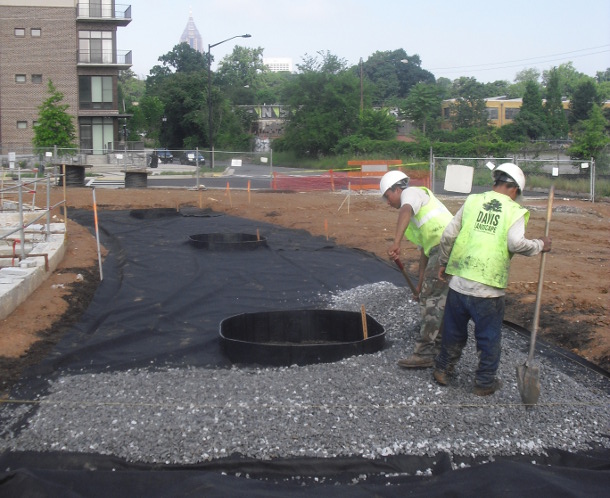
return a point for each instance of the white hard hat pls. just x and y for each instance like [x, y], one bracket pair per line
[390, 179]
[511, 170]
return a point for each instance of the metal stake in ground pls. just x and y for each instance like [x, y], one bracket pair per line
[528, 374]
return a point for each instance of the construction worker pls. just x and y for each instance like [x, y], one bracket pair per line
[421, 219]
[476, 249]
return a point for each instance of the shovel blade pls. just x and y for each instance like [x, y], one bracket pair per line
[528, 380]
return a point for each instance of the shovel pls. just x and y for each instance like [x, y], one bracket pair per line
[406, 275]
[528, 374]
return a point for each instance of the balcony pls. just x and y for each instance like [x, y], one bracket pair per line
[120, 60]
[120, 15]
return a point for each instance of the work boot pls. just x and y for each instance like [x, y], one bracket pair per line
[416, 361]
[441, 377]
[487, 390]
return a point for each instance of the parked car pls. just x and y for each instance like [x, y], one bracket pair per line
[190, 157]
[164, 155]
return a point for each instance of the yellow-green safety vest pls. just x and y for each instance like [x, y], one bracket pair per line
[427, 226]
[480, 251]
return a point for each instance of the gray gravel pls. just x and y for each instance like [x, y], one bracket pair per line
[362, 406]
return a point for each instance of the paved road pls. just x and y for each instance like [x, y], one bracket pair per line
[259, 176]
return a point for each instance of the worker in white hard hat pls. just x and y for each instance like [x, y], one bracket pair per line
[476, 249]
[421, 219]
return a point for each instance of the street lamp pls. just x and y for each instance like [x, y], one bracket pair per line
[402, 61]
[211, 132]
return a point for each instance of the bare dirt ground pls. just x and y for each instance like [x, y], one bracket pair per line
[574, 300]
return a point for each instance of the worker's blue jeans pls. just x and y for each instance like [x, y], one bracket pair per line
[487, 315]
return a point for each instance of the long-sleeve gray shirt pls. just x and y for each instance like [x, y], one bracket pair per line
[517, 244]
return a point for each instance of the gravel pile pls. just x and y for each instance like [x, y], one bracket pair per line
[362, 406]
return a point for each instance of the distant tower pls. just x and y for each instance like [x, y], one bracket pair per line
[191, 35]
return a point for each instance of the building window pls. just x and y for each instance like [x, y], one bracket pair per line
[511, 113]
[95, 92]
[492, 113]
[20, 32]
[95, 46]
[37, 78]
[36, 32]
[96, 134]
[20, 78]
[22, 125]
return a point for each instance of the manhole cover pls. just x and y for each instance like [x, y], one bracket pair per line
[301, 337]
[228, 241]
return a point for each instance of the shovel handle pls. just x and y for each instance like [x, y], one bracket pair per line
[406, 275]
[549, 210]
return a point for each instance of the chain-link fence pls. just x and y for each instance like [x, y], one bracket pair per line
[574, 176]
[128, 157]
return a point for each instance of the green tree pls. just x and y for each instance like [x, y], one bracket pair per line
[590, 136]
[181, 85]
[130, 91]
[389, 76]
[517, 90]
[496, 88]
[569, 78]
[531, 118]
[557, 123]
[468, 110]
[184, 59]
[444, 86]
[325, 107]
[269, 85]
[324, 62]
[149, 112]
[239, 74]
[423, 105]
[184, 101]
[55, 126]
[584, 98]
[181, 59]
[377, 125]
[602, 76]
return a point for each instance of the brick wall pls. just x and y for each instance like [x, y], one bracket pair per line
[53, 55]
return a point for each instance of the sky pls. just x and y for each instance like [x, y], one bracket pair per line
[488, 40]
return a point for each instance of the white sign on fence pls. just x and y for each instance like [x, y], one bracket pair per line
[236, 162]
[458, 178]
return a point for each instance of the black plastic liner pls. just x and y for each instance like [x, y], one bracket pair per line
[55, 474]
[228, 241]
[299, 337]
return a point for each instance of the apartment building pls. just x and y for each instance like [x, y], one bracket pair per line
[72, 43]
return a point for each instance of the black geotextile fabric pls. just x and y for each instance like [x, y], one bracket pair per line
[53, 474]
[160, 304]
[163, 297]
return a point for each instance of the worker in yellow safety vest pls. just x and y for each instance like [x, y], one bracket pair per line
[421, 219]
[476, 249]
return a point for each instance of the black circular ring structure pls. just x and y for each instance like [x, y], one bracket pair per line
[227, 241]
[299, 337]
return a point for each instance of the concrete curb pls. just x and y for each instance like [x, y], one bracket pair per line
[18, 282]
